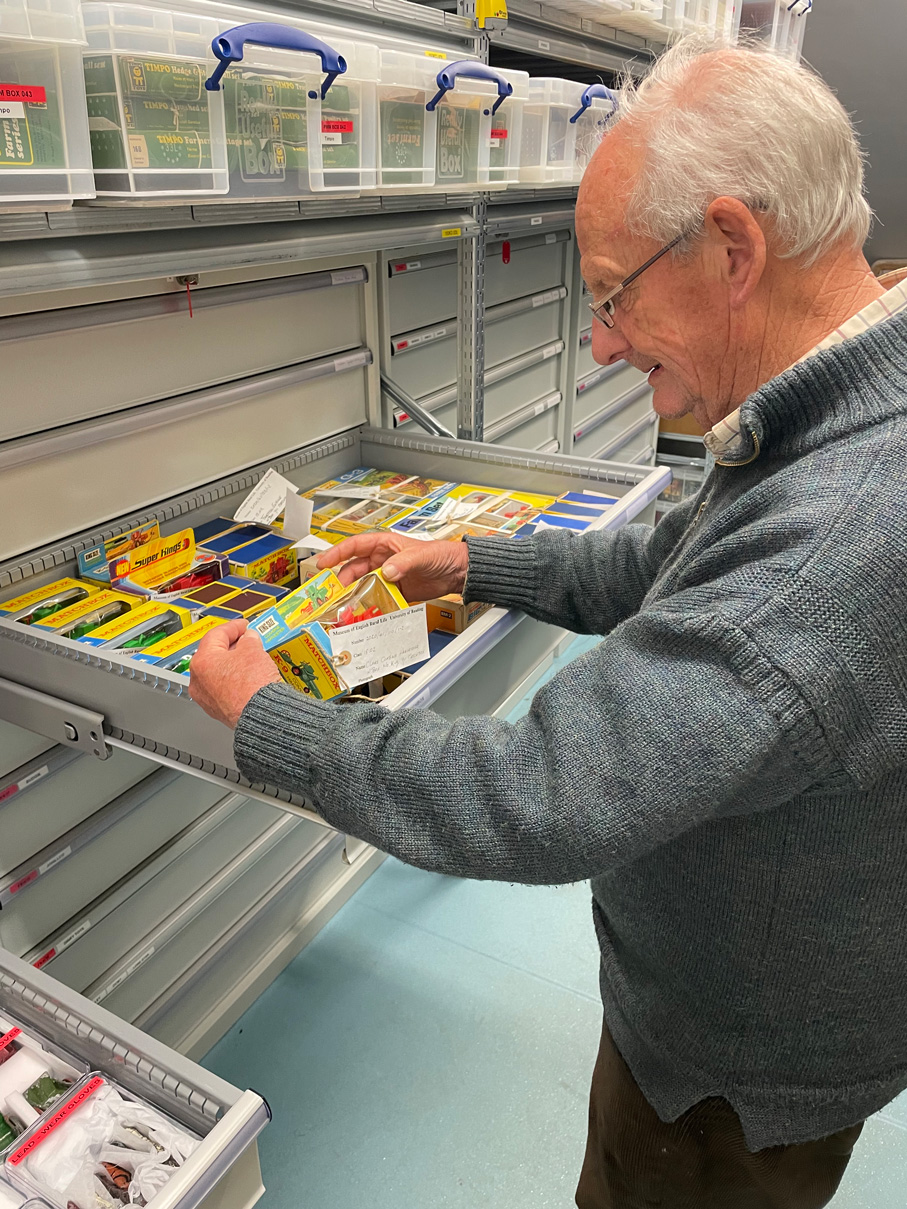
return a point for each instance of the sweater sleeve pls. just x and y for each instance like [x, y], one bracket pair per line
[675, 719]
[587, 583]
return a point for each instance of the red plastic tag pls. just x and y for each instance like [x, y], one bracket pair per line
[499, 134]
[505, 251]
[44, 958]
[57, 1118]
[32, 94]
[8, 1037]
[23, 882]
[336, 126]
[9, 791]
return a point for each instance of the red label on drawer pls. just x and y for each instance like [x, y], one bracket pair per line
[336, 126]
[57, 1118]
[23, 881]
[8, 1037]
[44, 958]
[499, 134]
[32, 94]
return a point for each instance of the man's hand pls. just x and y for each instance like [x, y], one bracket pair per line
[422, 570]
[228, 669]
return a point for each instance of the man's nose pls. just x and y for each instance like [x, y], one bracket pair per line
[608, 343]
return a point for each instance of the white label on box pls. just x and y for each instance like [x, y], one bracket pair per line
[373, 648]
[536, 221]
[266, 500]
[330, 137]
[345, 276]
[55, 859]
[11, 109]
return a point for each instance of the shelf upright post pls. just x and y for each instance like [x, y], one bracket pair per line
[573, 315]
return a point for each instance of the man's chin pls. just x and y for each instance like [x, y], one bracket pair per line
[667, 400]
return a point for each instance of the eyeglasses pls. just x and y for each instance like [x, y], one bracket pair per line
[603, 310]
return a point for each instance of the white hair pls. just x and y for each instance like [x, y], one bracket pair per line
[749, 123]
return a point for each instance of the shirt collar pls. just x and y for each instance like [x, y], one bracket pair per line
[731, 445]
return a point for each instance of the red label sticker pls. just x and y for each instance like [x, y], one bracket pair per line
[401, 344]
[61, 1114]
[8, 1037]
[400, 268]
[9, 791]
[32, 94]
[499, 134]
[44, 958]
[23, 881]
[336, 126]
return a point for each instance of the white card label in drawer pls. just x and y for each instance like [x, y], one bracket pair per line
[350, 361]
[536, 220]
[55, 860]
[345, 276]
[124, 974]
[266, 500]
[17, 786]
[374, 648]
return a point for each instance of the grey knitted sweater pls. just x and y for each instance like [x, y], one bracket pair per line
[729, 766]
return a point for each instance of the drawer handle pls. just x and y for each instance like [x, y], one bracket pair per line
[469, 70]
[228, 47]
[595, 90]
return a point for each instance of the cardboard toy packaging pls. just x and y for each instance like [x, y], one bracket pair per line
[28, 608]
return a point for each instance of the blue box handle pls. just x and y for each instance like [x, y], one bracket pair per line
[469, 69]
[594, 90]
[228, 47]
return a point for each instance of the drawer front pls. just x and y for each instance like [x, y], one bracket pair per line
[17, 747]
[518, 334]
[595, 445]
[609, 431]
[38, 912]
[594, 398]
[169, 448]
[530, 269]
[519, 389]
[585, 362]
[111, 363]
[422, 296]
[35, 818]
[532, 435]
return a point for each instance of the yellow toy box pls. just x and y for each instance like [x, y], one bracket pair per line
[94, 564]
[441, 510]
[189, 637]
[140, 628]
[167, 567]
[32, 607]
[296, 608]
[271, 559]
[82, 618]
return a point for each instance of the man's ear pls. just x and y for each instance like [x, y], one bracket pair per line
[737, 243]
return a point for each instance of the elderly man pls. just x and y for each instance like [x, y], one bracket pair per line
[728, 765]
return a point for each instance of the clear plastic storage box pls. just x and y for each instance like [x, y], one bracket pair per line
[479, 119]
[300, 111]
[407, 129]
[549, 137]
[45, 158]
[156, 131]
[779, 22]
[596, 108]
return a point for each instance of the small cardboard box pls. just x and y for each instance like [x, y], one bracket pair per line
[172, 648]
[271, 559]
[94, 564]
[288, 615]
[32, 607]
[450, 615]
[97, 610]
[140, 628]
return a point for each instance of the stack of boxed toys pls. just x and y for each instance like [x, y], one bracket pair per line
[153, 598]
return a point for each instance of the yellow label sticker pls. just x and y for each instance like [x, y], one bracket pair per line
[435, 54]
[451, 232]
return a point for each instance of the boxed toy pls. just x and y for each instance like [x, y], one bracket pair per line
[231, 539]
[172, 650]
[458, 504]
[271, 559]
[141, 628]
[214, 528]
[275, 591]
[33, 1077]
[167, 567]
[244, 602]
[296, 608]
[95, 563]
[366, 515]
[450, 615]
[32, 607]
[82, 618]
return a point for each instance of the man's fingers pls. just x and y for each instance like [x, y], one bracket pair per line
[352, 547]
[403, 562]
[249, 639]
[356, 569]
[222, 637]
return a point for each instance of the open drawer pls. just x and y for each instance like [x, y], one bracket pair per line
[223, 1172]
[79, 697]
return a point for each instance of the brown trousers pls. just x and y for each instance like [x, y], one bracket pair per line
[635, 1161]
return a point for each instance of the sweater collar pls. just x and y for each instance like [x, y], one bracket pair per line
[739, 438]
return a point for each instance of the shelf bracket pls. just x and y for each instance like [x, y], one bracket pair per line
[59, 720]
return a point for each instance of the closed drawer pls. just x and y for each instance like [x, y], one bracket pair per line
[17, 747]
[521, 388]
[604, 386]
[421, 295]
[622, 447]
[533, 434]
[530, 269]
[34, 818]
[169, 447]
[43, 908]
[609, 421]
[115, 355]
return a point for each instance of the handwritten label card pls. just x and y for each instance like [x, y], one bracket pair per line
[266, 500]
[374, 648]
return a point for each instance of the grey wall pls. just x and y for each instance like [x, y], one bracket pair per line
[860, 48]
